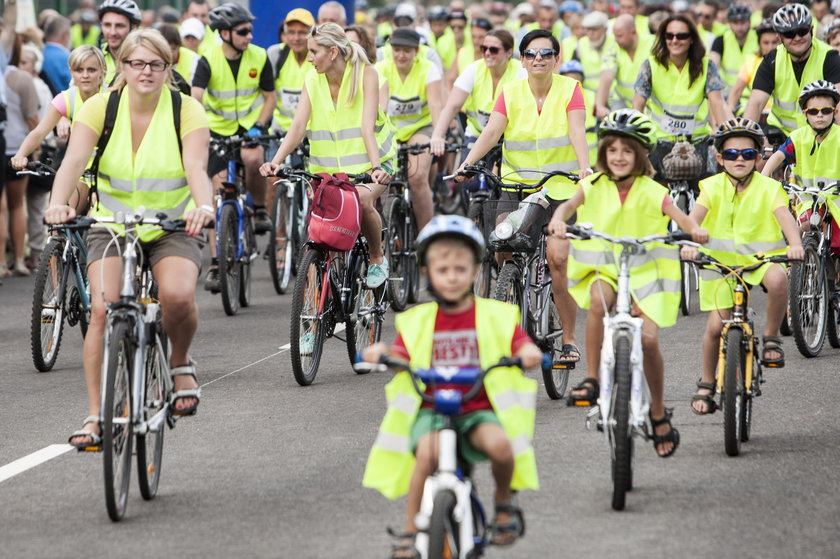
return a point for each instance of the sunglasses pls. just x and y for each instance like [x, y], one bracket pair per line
[531, 54]
[814, 111]
[492, 50]
[748, 154]
[796, 33]
[677, 36]
[245, 31]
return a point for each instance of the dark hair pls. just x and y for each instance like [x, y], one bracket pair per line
[280, 28]
[539, 34]
[769, 9]
[696, 51]
[482, 23]
[365, 40]
[170, 33]
[504, 36]
[641, 164]
[17, 47]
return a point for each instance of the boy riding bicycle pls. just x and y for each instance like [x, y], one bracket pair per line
[444, 334]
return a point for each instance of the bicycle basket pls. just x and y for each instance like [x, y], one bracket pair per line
[521, 228]
[682, 162]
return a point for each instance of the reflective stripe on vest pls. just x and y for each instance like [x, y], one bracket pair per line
[289, 85]
[479, 103]
[689, 117]
[654, 275]
[537, 143]
[231, 101]
[154, 179]
[512, 395]
[785, 113]
[408, 106]
[73, 101]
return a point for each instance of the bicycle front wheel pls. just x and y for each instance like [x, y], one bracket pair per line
[555, 379]
[808, 298]
[509, 285]
[487, 267]
[229, 269]
[117, 434]
[364, 324]
[622, 441]
[47, 321]
[281, 245]
[833, 321]
[411, 260]
[396, 253]
[733, 391]
[150, 445]
[443, 528]
[307, 329]
[686, 288]
[249, 251]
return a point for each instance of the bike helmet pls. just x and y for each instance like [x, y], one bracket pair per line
[572, 65]
[452, 226]
[437, 13]
[766, 26]
[632, 123]
[738, 12]
[820, 87]
[790, 17]
[739, 127]
[228, 16]
[125, 8]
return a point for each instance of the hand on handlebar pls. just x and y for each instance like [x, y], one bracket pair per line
[63, 128]
[796, 252]
[372, 353]
[198, 218]
[437, 145]
[531, 356]
[270, 169]
[557, 227]
[19, 162]
[585, 172]
[699, 235]
[380, 176]
[56, 215]
[688, 252]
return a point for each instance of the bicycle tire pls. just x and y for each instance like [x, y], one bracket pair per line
[364, 323]
[411, 261]
[808, 298]
[248, 252]
[306, 297]
[117, 432]
[686, 288]
[150, 445]
[784, 328]
[509, 285]
[555, 380]
[733, 391]
[47, 320]
[398, 280]
[621, 438]
[832, 330]
[484, 279]
[229, 268]
[283, 220]
[443, 529]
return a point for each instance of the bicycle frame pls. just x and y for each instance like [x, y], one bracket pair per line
[742, 318]
[74, 247]
[232, 194]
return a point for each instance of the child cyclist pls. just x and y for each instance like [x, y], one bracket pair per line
[445, 333]
[745, 213]
[623, 200]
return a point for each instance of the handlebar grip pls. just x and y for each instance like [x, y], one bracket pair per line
[680, 236]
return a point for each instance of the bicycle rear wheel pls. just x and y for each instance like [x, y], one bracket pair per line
[733, 391]
[808, 302]
[248, 254]
[555, 379]
[395, 251]
[488, 266]
[307, 327]
[686, 288]
[411, 260]
[620, 436]
[832, 330]
[443, 528]
[150, 445]
[364, 324]
[117, 433]
[229, 269]
[280, 248]
[47, 321]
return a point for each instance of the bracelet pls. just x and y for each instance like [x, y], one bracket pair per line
[208, 209]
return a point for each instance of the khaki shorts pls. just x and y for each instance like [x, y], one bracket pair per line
[171, 244]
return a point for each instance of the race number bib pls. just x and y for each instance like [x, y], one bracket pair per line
[404, 107]
[289, 99]
[679, 125]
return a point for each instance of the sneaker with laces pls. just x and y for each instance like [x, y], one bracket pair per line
[262, 221]
[377, 274]
[211, 281]
[307, 344]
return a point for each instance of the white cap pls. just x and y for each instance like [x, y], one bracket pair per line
[406, 10]
[522, 9]
[192, 26]
[595, 20]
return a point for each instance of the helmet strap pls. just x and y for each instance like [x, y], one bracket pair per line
[443, 303]
[736, 181]
[229, 41]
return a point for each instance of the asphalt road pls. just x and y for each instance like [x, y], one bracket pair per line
[271, 469]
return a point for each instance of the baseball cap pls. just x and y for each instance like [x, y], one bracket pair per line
[406, 10]
[595, 20]
[405, 37]
[300, 15]
[192, 26]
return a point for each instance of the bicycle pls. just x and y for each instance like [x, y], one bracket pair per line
[330, 288]
[61, 287]
[624, 400]
[236, 242]
[738, 375]
[452, 521]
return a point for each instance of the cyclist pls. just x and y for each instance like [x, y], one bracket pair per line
[405, 17]
[592, 48]
[411, 92]
[348, 133]
[542, 119]
[142, 151]
[445, 333]
[290, 66]
[621, 65]
[117, 18]
[441, 38]
[470, 52]
[739, 95]
[680, 87]
[236, 83]
[731, 50]
[745, 213]
[800, 59]
[622, 200]
[87, 66]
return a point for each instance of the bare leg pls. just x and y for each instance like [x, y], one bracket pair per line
[418, 182]
[558, 255]
[775, 281]
[602, 298]
[252, 158]
[371, 221]
[711, 345]
[426, 456]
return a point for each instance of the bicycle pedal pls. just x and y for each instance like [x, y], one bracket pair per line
[90, 448]
[565, 366]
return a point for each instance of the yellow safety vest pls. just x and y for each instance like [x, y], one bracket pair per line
[512, 395]
[739, 226]
[289, 85]
[568, 46]
[591, 123]
[335, 128]
[592, 60]
[734, 56]
[654, 275]
[186, 63]
[209, 41]
[153, 178]
[445, 46]
[479, 103]
[627, 69]
[642, 26]
[677, 107]
[79, 38]
[465, 57]
[231, 101]
[785, 113]
[818, 163]
[408, 102]
[384, 29]
[73, 101]
[110, 66]
[537, 143]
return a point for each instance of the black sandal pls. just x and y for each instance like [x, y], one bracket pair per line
[593, 390]
[569, 354]
[405, 549]
[772, 343]
[515, 526]
[672, 436]
[708, 399]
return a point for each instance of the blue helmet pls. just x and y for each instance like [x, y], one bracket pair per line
[451, 226]
[572, 65]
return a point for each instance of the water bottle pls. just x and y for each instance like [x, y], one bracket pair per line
[523, 217]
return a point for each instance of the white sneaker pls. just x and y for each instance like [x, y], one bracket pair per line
[377, 274]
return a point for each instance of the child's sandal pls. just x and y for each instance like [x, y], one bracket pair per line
[672, 436]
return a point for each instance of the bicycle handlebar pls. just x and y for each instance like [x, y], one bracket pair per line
[470, 170]
[224, 144]
[416, 149]
[128, 220]
[37, 169]
[585, 232]
[286, 173]
[709, 262]
[820, 189]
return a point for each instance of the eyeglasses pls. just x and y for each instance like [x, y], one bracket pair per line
[531, 54]
[155, 65]
[677, 36]
[492, 50]
[748, 154]
[796, 33]
[244, 31]
[814, 111]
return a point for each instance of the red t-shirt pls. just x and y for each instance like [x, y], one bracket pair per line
[576, 102]
[456, 344]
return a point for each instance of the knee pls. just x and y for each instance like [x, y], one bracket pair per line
[425, 455]
[499, 450]
[177, 303]
[650, 344]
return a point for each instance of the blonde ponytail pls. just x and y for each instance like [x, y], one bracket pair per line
[330, 35]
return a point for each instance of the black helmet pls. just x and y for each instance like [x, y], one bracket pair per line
[739, 127]
[790, 17]
[437, 13]
[766, 26]
[228, 16]
[738, 12]
[632, 123]
[125, 8]
[822, 88]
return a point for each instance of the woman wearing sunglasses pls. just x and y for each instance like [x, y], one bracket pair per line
[470, 52]
[744, 213]
[542, 119]
[680, 87]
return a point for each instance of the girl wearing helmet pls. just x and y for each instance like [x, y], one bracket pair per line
[445, 333]
[621, 199]
[745, 212]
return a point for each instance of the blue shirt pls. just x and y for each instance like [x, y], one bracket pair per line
[55, 66]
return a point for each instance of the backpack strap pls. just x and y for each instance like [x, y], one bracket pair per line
[284, 55]
[176, 117]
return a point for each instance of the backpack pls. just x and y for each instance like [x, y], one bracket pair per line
[336, 217]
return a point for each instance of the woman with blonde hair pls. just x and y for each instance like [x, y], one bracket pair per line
[142, 167]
